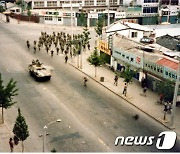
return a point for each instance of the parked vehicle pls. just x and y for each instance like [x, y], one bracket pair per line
[39, 71]
[147, 40]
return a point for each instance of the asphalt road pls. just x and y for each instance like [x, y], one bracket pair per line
[92, 117]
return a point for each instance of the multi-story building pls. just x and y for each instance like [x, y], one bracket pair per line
[166, 2]
[144, 11]
[87, 5]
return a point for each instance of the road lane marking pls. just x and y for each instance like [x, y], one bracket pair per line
[104, 144]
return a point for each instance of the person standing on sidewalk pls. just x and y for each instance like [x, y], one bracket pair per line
[66, 59]
[11, 144]
[125, 89]
[144, 91]
[116, 80]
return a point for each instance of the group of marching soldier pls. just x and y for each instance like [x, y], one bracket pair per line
[58, 42]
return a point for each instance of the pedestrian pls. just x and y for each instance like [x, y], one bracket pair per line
[16, 140]
[161, 98]
[85, 80]
[116, 80]
[66, 59]
[125, 89]
[144, 91]
[165, 110]
[11, 144]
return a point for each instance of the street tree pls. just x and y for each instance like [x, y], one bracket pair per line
[21, 128]
[167, 89]
[86, 36]
[1, 9]
[82, 18]
[7, 94]
[127, 74]
[178, 17]
[99, 27]
[29, 14]
[95, 59]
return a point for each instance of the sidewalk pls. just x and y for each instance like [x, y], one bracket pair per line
[146, 104]
[5, 134]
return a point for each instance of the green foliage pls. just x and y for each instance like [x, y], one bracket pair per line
[29, 12]
[167, 89]
[6, 94]
[127, 74]
[99, 27]
[77, 43]
[1, 9]
[86, 35]
[19, 2]
[82, 18]
[95, 59]
[178, 15]
[53, 150]
[20, 128]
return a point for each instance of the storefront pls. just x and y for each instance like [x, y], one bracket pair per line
[120, 59]
[105, 52]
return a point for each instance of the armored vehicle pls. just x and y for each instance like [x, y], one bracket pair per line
[39, 71]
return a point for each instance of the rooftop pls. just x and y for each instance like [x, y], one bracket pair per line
[168, 41]
[125, 44]
[120, 26]
[168, 63]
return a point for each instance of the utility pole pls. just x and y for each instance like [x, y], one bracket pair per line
[108, 14]
[169, 11]
[175, 96]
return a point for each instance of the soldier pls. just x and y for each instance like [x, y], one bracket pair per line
[57, 49]
[47, 49]
[88, 46]
[28, 44]
[52, 52]
[34, 49]
[85, 80]
[66, 59]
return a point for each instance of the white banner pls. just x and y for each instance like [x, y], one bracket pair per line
[93, 15]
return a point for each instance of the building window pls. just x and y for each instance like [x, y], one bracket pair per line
[59, 18]
[49, 18]
[150, 1]
[89, 2]
[39, 4]
[51, 3]
[150, 10]
[101, 2]
[134, 34]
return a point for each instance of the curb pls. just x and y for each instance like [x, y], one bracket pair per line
[156, 119]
